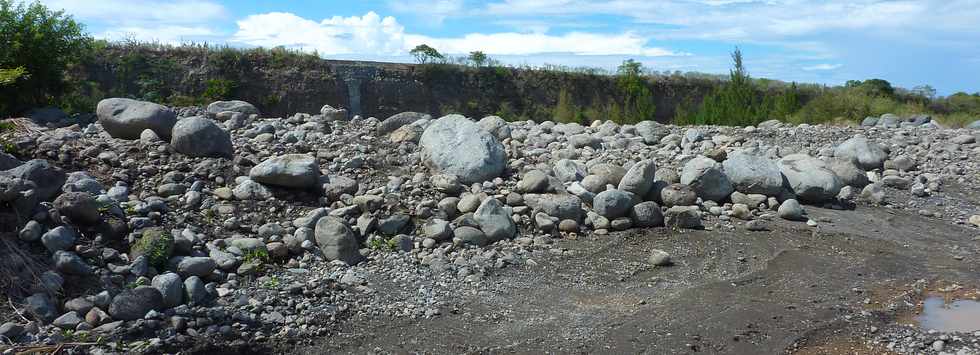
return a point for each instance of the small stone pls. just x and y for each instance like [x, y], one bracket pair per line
[659, 258]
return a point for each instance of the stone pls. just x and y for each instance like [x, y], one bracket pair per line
[195, 266]
[974, 125]
[607, 174]
[790, 210]
[339, 186]
[11, 331]
[68, 321]
[156, 244]
[866, 154]
[59, 238]
[757, 225]
[750, 200]
[31, 232]
[8, 161]
[688, 217]
[706, 177]
[494, 220]
[568, 226]
[447, 184]
[639, 178]
[647, 214]
[496, 126]
[455, 145]
[290, 170]
[874, 193]
[79, 207]
[67, 262]
[127, 118]
[560, 206]
[471, 236]
[337, 241]
[752, 173]
[533, 181]
[848, 172]
[232, 106]
[651, 131]
[975, 220]
[96, 317]
[810, 178]
[251, 190]
[569, 170]
[195, 291]
[133, 304]
[171, 289]
[331, 114]
[613, 203]
[964, 139]
[398, 120]
[394, 224]
[678, 195]
[42, 307]
[437, 229]
[741, 211]
[48, 178]
[201, 137]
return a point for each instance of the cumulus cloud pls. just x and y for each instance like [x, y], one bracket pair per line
[147, 20]
[373, 35]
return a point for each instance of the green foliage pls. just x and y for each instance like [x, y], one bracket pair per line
[736, 102]
[786, 103]
[424, 54]
[565, 109]
[872, 87]
[157, 245]
[219, 89]
[38, 42]
[637, 98]
[478, 58]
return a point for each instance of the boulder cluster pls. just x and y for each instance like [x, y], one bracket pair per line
[154, 222]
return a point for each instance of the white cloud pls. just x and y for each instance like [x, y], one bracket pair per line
[373, 35]
[435, 10]
[147, 20]
[823, 67]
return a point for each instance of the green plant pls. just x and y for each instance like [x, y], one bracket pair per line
[38, 42]
[271, 283]
[157, 245]
[219, 89]
[637, 98]
[259, 256]
[478, 58]
[565, 110]
[424, 54]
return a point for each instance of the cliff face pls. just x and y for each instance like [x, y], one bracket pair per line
[282, 83]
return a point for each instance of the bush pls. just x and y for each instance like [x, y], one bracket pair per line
[219, 89]
[41, 42]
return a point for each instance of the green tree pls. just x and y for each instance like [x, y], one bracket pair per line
[478, 58]
[787, 103]
[9, 76]
[42, 42]
[637, 99]
[737, 102]
[424, 54]
[565, 110]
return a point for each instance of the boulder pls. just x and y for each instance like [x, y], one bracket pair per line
[613, 203]
[640, 178]
[232, 106]
[79, 207]
[201, 137]
[865, 153]
[337, 241]
[398, 120]
[494, 220]
[455, 145]
[289, 170]
[974, 125]
[561, 206]
[135, 303]
[127, 118]
[651, 131]
[171, 289]
[678, 195]
[48, 179]
[753, 173]
[848, 172]
[496, 126]
[810, 178]
[790, 210]
[8, 161]
[706, 177]
[688, 217]
[569, 170]
[330, 114]
[647, 214]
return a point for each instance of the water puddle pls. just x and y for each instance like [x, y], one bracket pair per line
[949, 315]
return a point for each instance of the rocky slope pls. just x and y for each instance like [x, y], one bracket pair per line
[202, 228]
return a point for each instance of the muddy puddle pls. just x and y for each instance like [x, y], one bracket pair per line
[945, 314]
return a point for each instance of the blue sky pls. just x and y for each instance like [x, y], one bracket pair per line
[909, 43]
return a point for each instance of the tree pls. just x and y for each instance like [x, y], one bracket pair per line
[637, 99]
[38, 46]
[424, 54]
[737, 102]
[787, 103]
[10, 76]
[478, 58]
[926, 91]
[565, 110]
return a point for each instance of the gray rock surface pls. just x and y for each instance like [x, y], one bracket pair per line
[201, 137]
[337, 241]
[752, 173]
[706, 177]
[233, 106]
[133, 304]
[398, 120]
[810, 178]
[289, 170]
[455, 145]
[494, 221]
[127, 118]
[865, 153]
[639, 178]
[613, 203]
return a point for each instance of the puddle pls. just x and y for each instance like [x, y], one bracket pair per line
[946, 315]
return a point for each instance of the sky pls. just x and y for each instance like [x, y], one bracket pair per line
[909, 43]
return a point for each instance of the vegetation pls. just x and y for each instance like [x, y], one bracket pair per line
[38, 46]
[636, 96]
[478, 58]
[424, 54]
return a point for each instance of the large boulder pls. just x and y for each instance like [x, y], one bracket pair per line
[330, 114]
[613, 203]
[398, 120]
[651, 131]
[753, 173]
[8, 161]
[127, 118]
[865, 153]
[560, 206]
[810, 178]
[848, 172]
[79, 207]
[201, 137]
[455, 145]
[290, 170]
[494, 221]
[706, 177]
[337, 241]
[48, 178]
[974, 125]
[639, 179]
[134, 304]
[233, 106]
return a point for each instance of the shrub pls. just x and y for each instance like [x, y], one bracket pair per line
[219, 89]
[39, 44]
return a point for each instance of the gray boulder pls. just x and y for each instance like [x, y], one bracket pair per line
[195, 266]
[233, 106]
[79, 207]
[494, 220]
[651, 131]
[70, 263]
[496, 126]
[533, 181]
[455, 145]
[688, 217]
[330, 114]
[171, 289]
[42, 306]
[471, 236]
[848, 172]
[753, 173]
[337, 241]
[868, 155]
[974, 125]
[561, 206]
[790, 210]
[569, 170]
[46, 115]
[706, 177]
[647, 214]
[135, 303]
[678, 195]
[48, 178]
[127, 118]
[195, 291]
[640, 178]
[8, 161]
[290, 170]
[398, 120]
[201, 137]
[810, 178]
[613, 203]
[59, 238]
